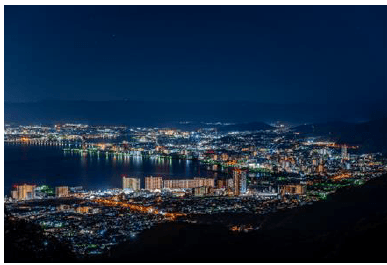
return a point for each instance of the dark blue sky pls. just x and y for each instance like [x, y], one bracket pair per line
[196, 53]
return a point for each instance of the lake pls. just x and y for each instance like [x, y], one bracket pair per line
[52, 166]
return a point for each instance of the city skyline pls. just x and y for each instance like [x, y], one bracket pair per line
[195, 133]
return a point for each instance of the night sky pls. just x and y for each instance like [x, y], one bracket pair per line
[267, 54]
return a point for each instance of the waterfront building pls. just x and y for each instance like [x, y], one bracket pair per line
[188, 183]
[131, 183]
[62, 191]
[153, 183]
[23, 192]
[14, 194]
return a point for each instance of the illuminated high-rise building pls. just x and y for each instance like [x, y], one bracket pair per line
[344, 153]
[131, 183]
[23, 192]
[236, 185]
[240, 181]
[230, 183]
[243, 187]
[153, 183]
[62, 191]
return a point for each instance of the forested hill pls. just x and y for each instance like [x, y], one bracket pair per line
[371, 135]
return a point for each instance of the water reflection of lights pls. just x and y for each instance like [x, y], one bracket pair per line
[137, 160]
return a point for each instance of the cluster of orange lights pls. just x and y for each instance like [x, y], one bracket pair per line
[240, 228]
[138, 208]
[331, 144]
[342, 176]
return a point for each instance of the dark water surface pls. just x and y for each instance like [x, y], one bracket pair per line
[51, 166]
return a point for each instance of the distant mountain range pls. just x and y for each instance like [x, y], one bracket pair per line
[248, 126]
[371, 136]
[143, 113]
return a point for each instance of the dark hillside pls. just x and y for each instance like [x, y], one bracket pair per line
[25, 242]
[346, 228]
[371, 136]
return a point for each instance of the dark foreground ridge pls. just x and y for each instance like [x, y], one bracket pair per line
[346, 228]
[349, 227]
[25, 242]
